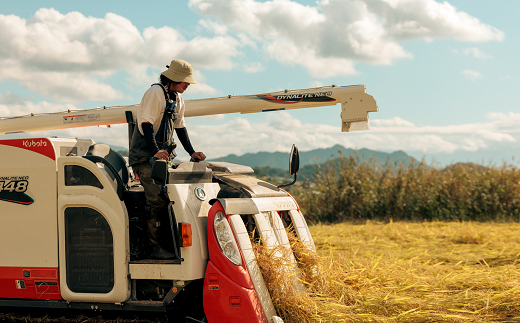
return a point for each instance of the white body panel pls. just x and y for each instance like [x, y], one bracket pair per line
[188, 209]
[71, 146]
[301, 228]
[273, 233]
[28, 233]
[160, 271]
[252, 266]
[257, 205]
[106, 202]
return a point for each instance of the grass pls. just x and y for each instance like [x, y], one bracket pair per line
[350, 190]
[406, 272]
[24, 315]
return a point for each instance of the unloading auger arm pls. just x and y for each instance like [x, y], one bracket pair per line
[355, 105]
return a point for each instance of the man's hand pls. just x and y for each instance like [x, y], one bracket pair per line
[163, 154]
[198, 155]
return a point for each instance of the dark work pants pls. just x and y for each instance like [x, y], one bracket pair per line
[154, 201]
[156, 206]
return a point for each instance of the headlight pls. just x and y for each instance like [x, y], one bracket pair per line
[225, 238]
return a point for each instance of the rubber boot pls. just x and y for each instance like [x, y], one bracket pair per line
[154, 237]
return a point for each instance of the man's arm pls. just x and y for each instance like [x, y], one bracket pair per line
[182, 134]
[151, 143]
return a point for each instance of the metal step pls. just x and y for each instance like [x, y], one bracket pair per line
[156, 261]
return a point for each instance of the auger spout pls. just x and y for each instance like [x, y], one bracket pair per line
[355, 106]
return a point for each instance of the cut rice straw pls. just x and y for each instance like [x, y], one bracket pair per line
[399, 272]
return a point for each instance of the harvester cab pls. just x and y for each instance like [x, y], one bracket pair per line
[73, 226]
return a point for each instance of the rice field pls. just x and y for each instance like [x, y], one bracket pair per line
[402, 272]
[375, 272]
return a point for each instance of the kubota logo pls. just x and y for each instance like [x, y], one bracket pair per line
[13, 188]
[34, 143]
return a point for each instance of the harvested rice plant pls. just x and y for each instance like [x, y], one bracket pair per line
[401, 272]
[376, 272]
[404, 244]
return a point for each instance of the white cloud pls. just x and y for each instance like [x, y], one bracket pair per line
[475, 52]
[62, 86]
[213, 117]
[472, 75]
[328, 38]
[413, 19]
[68, 57]
[395, 121]
[200, 87]
[316, 84]
[16, 108]
[116, 135]
[277, 131]
[253, 68]
[215, 27]
[10, 98]
[501, 129]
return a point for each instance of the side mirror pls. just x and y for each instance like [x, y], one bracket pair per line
[294, 164]
[294, 161]
[159, 170]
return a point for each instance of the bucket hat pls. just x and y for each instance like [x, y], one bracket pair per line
[180, 71]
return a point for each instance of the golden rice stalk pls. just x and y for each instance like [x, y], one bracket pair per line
[325, 297]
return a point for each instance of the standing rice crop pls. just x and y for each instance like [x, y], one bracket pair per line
[350, 190]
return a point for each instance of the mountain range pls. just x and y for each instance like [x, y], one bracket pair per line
[316, 156]
[274, 165]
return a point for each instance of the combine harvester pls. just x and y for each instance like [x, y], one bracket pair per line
[72, 218]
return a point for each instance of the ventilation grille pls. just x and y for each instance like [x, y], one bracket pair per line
[89, 251]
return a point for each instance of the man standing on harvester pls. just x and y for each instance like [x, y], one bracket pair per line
[161, 110]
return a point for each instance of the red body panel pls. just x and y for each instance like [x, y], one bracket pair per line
[39, 145]
[227, 301]
[229, 293]
[29, 283]
[239, 273]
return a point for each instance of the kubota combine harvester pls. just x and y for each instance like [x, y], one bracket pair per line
[72, 217]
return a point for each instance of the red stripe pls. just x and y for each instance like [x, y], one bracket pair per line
[41, 146]
[29, 283]
[24, 203]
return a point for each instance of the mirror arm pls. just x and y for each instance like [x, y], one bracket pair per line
[288, 184]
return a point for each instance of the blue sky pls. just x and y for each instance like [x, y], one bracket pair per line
[444, 74]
